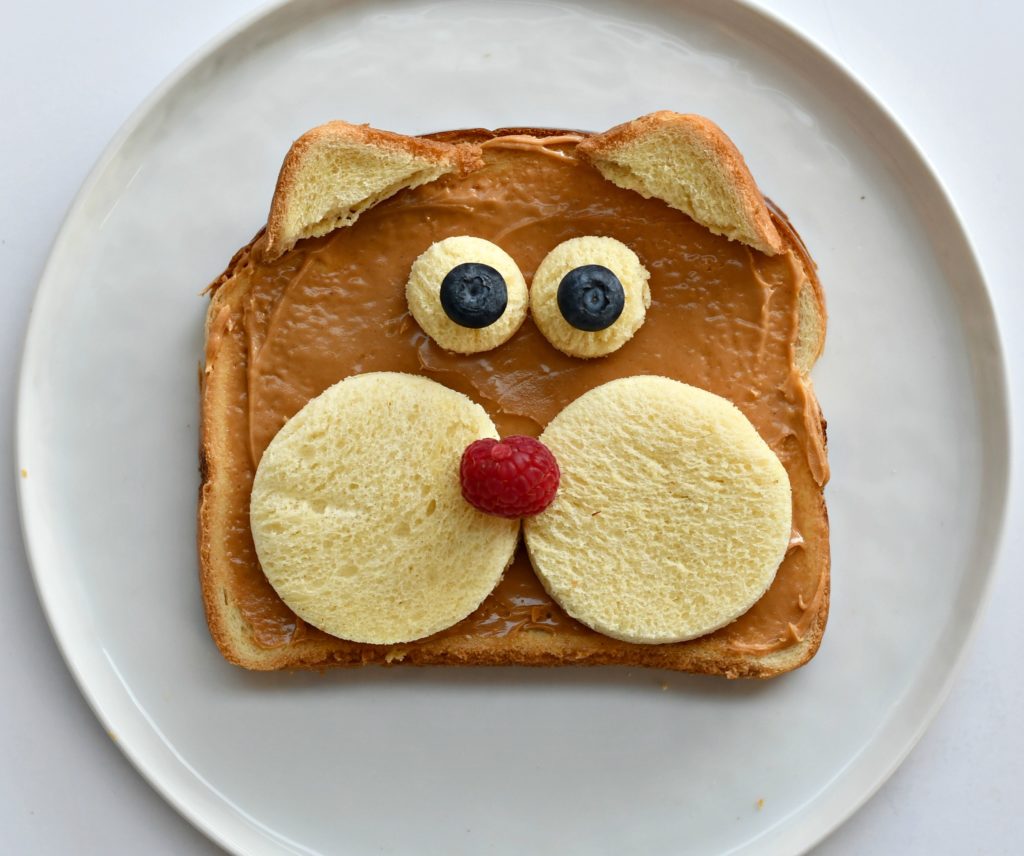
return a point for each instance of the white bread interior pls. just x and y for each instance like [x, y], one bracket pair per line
[672, 515]
[574, 253]
[357, 511]
[423, 294]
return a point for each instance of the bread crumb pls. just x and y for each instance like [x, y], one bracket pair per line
[112, 736]
[760, 804]
[24, 474]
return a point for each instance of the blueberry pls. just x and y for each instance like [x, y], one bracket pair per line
[591, 298]
[473, 295]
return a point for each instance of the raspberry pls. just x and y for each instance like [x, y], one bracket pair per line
[516, 477]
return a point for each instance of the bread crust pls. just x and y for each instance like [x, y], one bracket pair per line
[707, 655]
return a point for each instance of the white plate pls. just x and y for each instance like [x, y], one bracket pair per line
[470, 761]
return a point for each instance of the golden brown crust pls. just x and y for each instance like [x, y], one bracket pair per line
[447, 156]
[210, 458]
[813, 312]
[723, 156]
[709, 655]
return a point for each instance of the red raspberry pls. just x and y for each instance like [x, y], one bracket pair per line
[516, 477]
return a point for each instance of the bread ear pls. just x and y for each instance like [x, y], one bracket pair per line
[688, 162]
[335, 172]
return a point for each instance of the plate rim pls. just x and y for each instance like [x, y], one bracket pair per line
[233, 829]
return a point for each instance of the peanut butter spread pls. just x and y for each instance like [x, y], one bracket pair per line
[723, 317]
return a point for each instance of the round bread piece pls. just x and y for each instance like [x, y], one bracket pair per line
[358, 517]
[574, 253]
[423, 292]
[672, 515]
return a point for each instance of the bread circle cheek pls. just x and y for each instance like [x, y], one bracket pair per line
[357, 513]
[672, 514]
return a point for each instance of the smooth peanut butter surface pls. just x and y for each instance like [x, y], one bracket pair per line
[722, 317]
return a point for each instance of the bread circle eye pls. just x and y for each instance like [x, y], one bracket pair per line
[467, 294]
[589, 296]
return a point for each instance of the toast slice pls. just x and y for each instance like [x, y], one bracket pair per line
[249, 623]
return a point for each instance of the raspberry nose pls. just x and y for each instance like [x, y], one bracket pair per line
[514, 477]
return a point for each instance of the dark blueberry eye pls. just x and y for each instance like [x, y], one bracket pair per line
[591, 298]
[473, 295]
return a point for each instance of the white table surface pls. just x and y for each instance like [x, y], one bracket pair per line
[71, 73]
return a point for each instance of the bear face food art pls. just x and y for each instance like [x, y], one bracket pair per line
[541, 286]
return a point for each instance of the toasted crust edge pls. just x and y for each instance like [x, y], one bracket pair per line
[527, 649]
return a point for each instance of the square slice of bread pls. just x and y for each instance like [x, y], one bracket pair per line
[306, 206]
